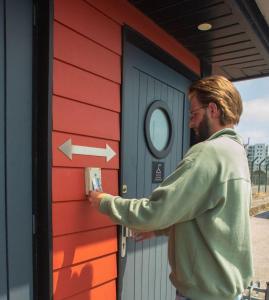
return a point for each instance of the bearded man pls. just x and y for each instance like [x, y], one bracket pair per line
[203, 206]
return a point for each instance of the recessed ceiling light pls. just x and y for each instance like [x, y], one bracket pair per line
[204, 26]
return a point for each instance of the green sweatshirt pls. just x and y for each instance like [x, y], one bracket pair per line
[203, 206]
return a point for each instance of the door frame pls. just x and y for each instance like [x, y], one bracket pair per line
[42, 147]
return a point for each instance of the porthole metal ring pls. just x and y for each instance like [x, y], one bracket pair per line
[161, 105]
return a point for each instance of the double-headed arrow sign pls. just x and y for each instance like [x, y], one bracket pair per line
[68, 149]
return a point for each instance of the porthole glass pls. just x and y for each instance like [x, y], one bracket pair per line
[159, 129]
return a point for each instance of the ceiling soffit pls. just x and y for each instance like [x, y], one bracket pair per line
[237, 46]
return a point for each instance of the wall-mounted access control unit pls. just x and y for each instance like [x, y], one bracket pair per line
[93, 180]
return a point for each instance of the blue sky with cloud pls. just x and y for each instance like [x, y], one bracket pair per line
[254, 122]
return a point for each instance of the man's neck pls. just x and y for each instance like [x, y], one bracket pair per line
[219, 127]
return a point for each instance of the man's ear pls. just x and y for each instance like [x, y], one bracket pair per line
[214, 110]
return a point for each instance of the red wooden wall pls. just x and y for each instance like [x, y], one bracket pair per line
[86, 108]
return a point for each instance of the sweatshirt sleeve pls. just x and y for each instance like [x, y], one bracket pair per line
[181, 197]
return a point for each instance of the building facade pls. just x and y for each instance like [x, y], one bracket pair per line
[81, 84]
[259, 153]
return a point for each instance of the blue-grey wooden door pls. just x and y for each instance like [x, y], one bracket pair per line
[16, 255]
[144, 271]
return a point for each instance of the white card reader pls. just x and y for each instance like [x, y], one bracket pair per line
[93, 180]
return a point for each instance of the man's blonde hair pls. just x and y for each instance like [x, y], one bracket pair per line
[222, 92]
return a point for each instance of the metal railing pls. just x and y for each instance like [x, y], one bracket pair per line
[255, 292]
[259, 175]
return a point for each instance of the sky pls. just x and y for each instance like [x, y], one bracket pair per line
[254, 122]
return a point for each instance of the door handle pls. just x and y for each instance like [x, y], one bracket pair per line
[125, 233]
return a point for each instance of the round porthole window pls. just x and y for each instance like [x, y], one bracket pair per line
[159, 129]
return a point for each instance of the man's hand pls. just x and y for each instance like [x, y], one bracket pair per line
[94, 198]
[141, 236]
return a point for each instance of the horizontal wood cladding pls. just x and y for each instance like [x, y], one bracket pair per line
[88, 21]
[71, 116]
[60, 160]
[80, 247]
[76, 216]
[73, 181]
[123, 12]
[77, 84]
[98, 293]
[77, 50]
[86, 109]
[72, 280]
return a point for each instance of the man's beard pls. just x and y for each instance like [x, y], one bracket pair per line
[203, 131]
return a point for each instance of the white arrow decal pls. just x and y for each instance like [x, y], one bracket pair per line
[68, 149]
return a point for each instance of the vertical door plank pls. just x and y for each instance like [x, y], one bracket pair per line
[148, 189]
[158, 249]
[140, 276]
[129, 164]
[145, 275]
